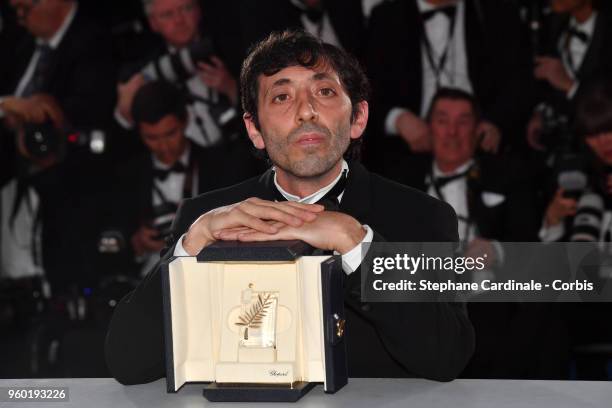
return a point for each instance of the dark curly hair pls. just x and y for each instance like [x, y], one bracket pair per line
[298, 48]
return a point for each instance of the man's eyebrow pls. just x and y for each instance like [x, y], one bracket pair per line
[278, 82]
[323, 75]
[282, 81]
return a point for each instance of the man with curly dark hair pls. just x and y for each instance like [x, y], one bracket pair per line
[304, 102]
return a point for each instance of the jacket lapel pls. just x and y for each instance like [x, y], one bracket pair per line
[356, 200]
[590, 59]
[265, 188]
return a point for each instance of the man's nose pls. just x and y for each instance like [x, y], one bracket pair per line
[306, 108]
[179, 18]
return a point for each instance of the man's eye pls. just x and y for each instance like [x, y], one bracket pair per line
[280, 98]
[327, 92]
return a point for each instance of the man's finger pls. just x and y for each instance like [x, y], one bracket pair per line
[243, 218]
[53, 113]
[282, 235]
[303, 206]
[207, 68]
[295, 211]
[269, 212]
[217, 62]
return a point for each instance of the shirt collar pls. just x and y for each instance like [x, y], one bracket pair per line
[56, 39]
[314, 197]
[587, 27]
[184, 159]
[436, 172]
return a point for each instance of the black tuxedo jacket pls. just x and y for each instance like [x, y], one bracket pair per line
[394, 62]
[433, 340]
[597, 62]
[515, 219]
[81, 73]
[503, 326]
[134, 181]
[260, 18]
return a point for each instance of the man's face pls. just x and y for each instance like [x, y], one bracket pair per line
[453, 129]
[567, 6]
[39, 17]
[175, 20]
[602, 146]
[165, 139]
[305, 120]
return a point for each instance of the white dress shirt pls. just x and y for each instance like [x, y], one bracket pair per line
[172, 189]
[455, 194]
[577, 48]
[173, 186]
[453, 74]
[350, 261]
[322, 30]
[21, 242]
[202, 128]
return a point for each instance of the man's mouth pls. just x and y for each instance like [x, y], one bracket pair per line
[309, 139]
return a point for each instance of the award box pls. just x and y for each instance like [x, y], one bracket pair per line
[257, 321]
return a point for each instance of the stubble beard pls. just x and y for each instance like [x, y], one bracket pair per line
[314, 163]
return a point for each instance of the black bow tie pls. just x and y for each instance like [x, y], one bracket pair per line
[440, 182]
[330, 200]
[449, 11]
[579, 34]
[162, 174]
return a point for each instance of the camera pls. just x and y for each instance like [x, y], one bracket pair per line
[588, 219]
[44, 140]
[556, 130]
[163, 216]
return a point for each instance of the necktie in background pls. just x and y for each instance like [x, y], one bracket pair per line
[41, 70]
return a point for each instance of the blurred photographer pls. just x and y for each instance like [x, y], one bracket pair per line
[55, 79]
[55, 73]
[152, 185]
[190, 61]
[575, 43]
[584, 212]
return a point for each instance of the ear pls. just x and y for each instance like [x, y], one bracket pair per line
[360, 121]
[254, 133]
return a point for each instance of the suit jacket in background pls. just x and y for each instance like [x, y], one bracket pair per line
[432, 340]
[533, 336]
[597, 62]
[81, 74]
[260, 18]
[394, 64]
[517, 218]
[217, 167]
